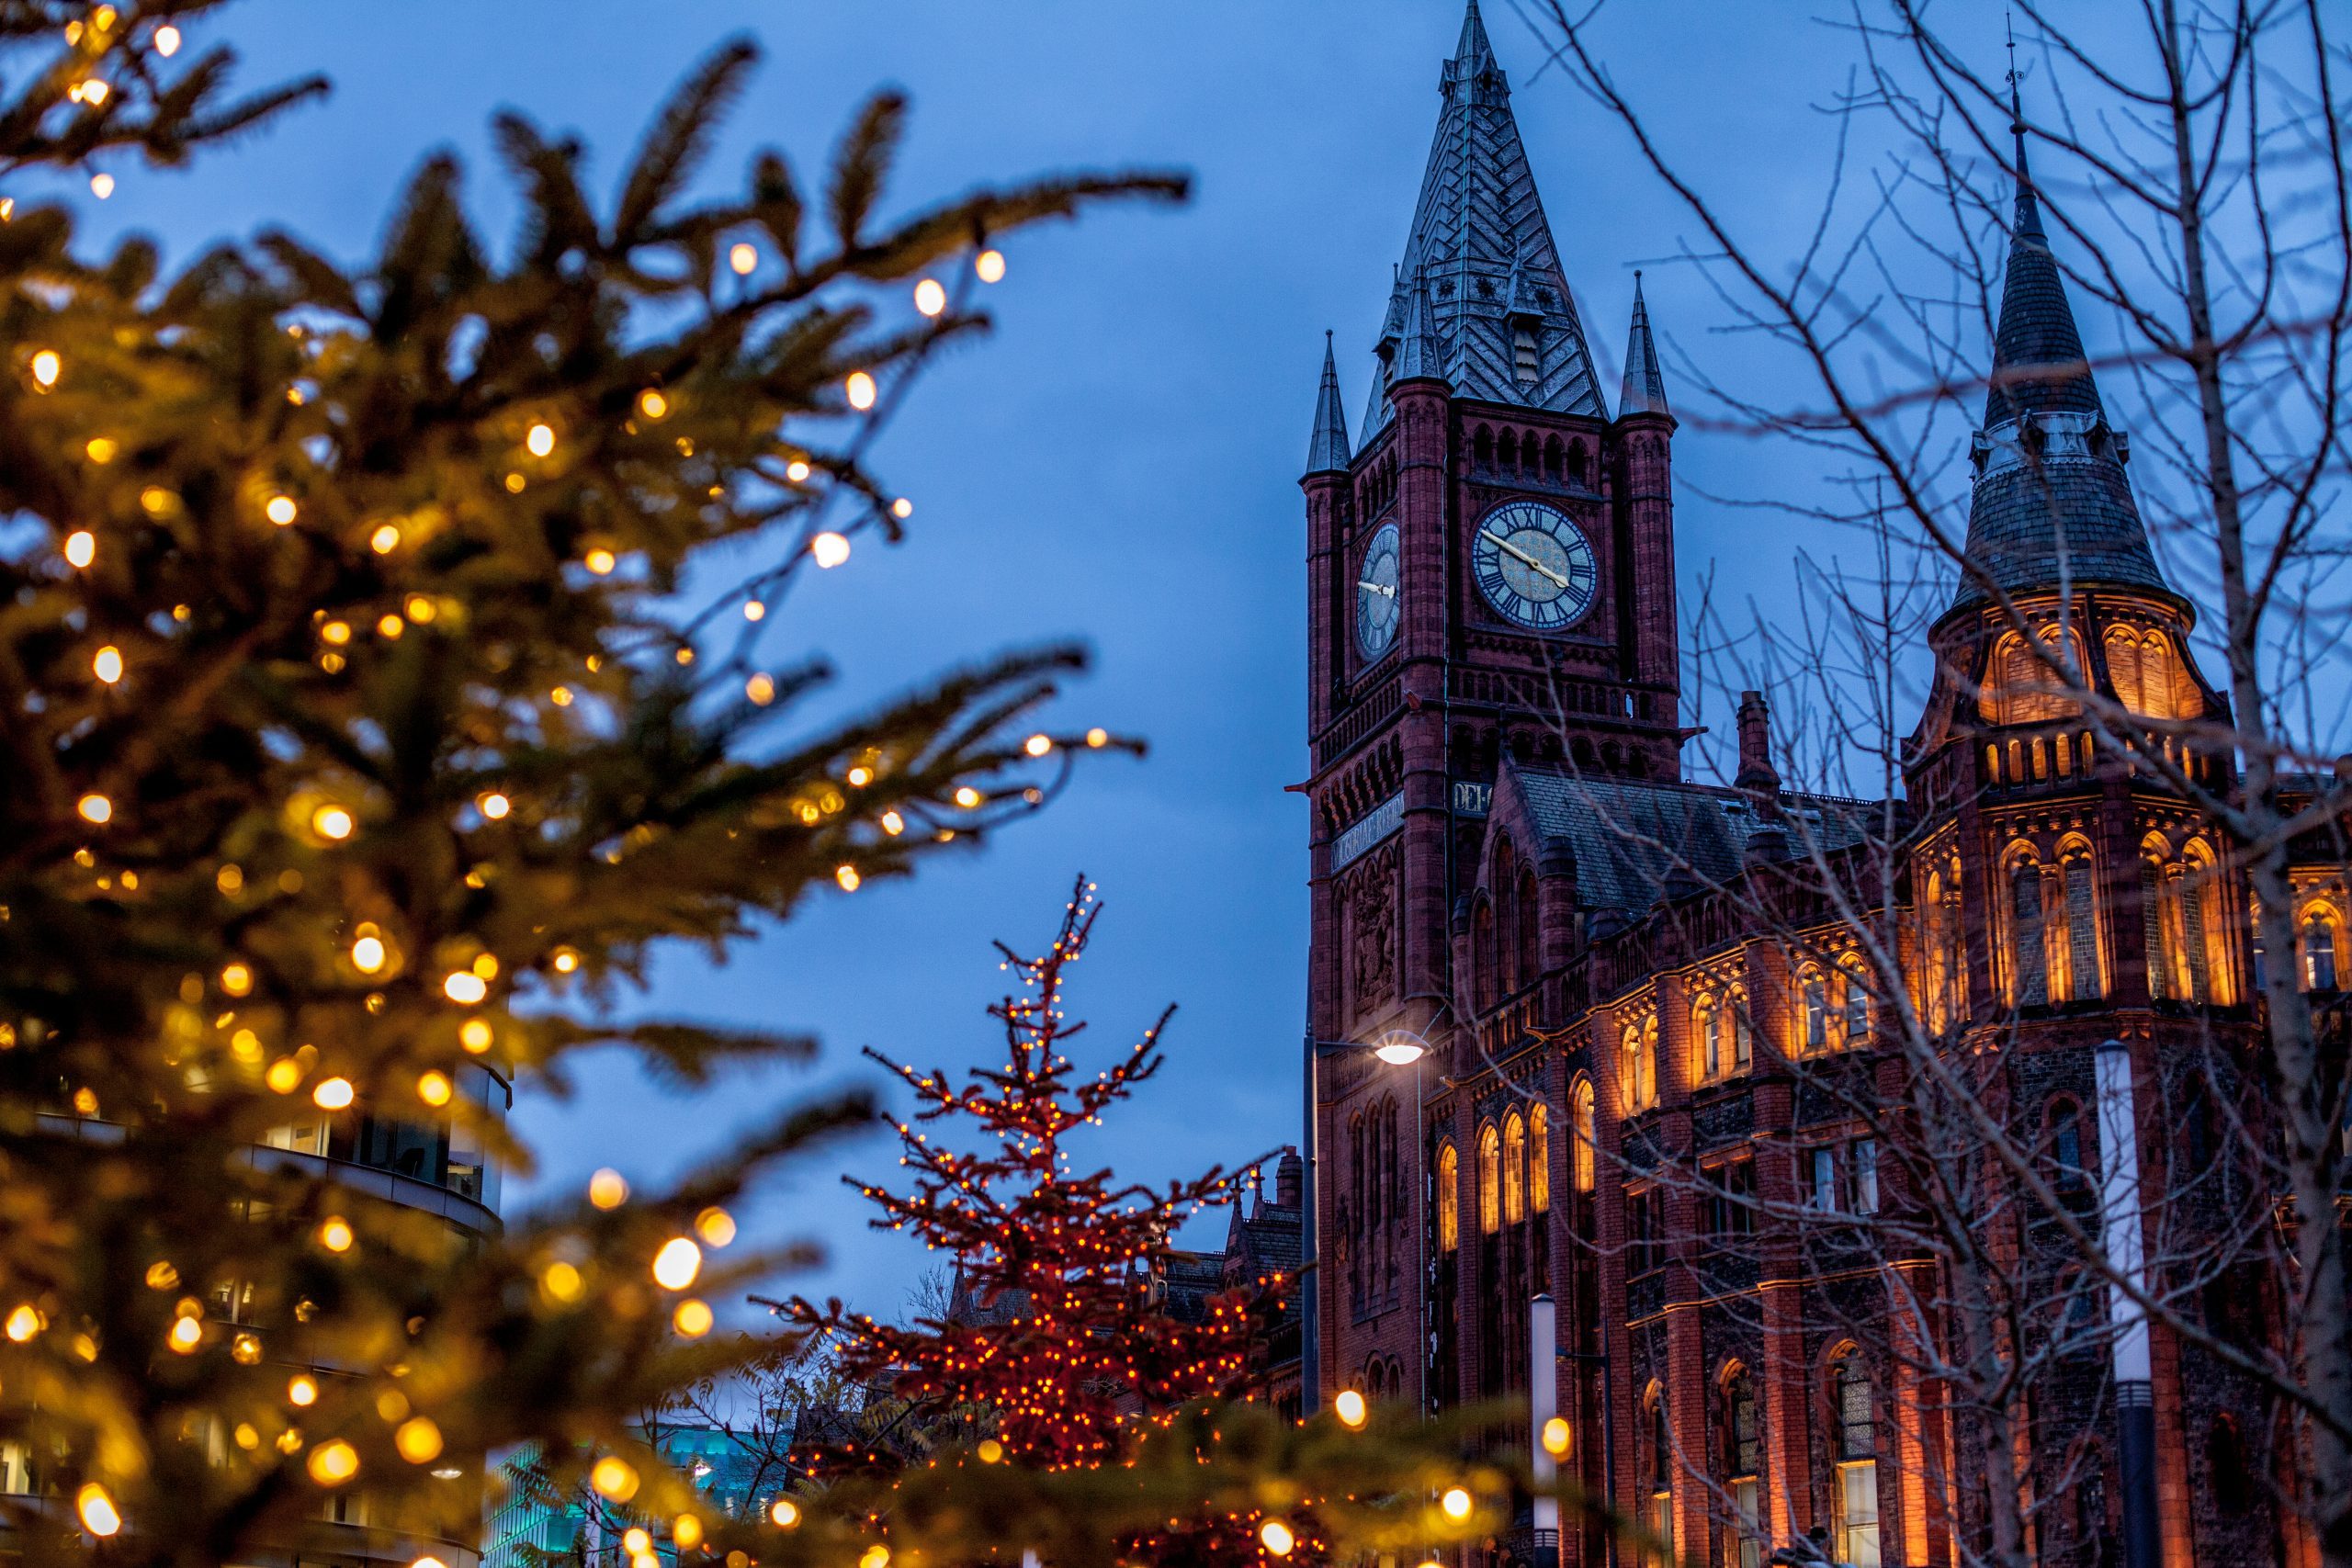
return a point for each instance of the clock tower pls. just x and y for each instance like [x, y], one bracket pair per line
[1490, 573]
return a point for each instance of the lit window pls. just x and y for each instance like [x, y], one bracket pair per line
[1449, 1197]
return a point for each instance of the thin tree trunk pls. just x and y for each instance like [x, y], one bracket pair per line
[2308, 1134]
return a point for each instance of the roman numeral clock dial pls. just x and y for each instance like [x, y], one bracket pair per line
[1534, 566]
[1376, 606]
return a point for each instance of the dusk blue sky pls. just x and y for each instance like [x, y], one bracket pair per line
[1117, 463]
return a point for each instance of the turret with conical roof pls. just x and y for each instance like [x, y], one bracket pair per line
[1326, 445]
[1644, 389]
[2052, 505]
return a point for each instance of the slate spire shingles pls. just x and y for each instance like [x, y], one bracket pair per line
[2052, 506]
[1327, 446]
[1483, 249]
[1644, 389]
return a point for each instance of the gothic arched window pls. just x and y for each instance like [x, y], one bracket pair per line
[2149, 677]
[2319, 951]
[2081, 971]
[1514, 1170]
[1584, 1152]
[1491, 1212]
[1814, 994]
[1742, 1457]
[1853, 1438]
[2020, 684]
[1657, 1473]
[1707, 1022]
[1530, 928]
[1539, 1158]
[2028, 940]
[1482, 952]
[1853, 1002]
[1449, 1197]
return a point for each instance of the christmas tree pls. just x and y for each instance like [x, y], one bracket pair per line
[361, 750]
[1062, 1409]
[1060, 1340]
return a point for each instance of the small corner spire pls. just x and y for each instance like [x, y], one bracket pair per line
[1644, 389]
[1327, 448]
[1421, 354]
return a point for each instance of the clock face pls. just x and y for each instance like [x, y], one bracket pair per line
[1376, 607]
[1535, 567]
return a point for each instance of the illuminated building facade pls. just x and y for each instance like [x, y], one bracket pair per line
[1655, 1107]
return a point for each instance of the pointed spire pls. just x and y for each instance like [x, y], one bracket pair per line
[2038, 363]
[1645, 390]
[1486, 257]
[1474, 49]
[2051, 502]
[1327, 448]
[1421, 353]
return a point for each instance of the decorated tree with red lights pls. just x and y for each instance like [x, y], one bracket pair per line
[1061, 1348]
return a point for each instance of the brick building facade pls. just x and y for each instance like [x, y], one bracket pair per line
[1655, 1068]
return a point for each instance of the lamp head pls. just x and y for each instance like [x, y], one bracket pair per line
[1400, 1053]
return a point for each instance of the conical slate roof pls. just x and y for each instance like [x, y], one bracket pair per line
[1644, 389]
[2038, 361]
[2051, 504]
[1482, 248]
[1327, 446]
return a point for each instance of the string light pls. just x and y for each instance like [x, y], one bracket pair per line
[902, 509]
[493, 806]
[385, 539]
[280, 510]
[1277, 1537]
[168, 41]
[418, 1440]
[848, 879]
[47, 366]
[1349, 1407]
[651, 403]
[692, 1318]
[335, 1235]
[331, 822]
[302, 1391]
[675, 1266]
[81, 548]
[97, 1510]
[332, 1094]
[1555, 1436]
[107, 664]
[600, 561]
[716, 1226]
[784, 1513]
[332, 1464]
[743, 256]
[102, 183]
[1037, 745]
[94, 807]
[930, 297]
[540, 440]
[828, 550]
[608, 1189]
[464, 988]
[24, 1322]
[475, 1035]
[761, 689]
[1455, 1503]
[860, 390]
[614, 1477]
[435, 1088]
[367, 954]
[989, 265]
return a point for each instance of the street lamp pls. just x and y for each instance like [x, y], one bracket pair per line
[1397, 1048]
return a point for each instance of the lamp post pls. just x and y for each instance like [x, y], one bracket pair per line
[1398, 1048]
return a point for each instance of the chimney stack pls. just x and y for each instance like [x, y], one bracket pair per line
[1756, 774]
[1290, 1180]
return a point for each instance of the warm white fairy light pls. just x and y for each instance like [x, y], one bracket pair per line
[493, 807]
[168, 41]
[860, 389]
[464, 988]
[331, 822]
[930, 297]
[367, 954]
[97, 1512]
[280, 510]
[675, 1266]
[107, 664]
[989, 267]
[94, 807]
[608, 1189]
[47, 367]
[744, 257]
[540, 440]
[828, 550]
[848, 877]
[81, 548]
[102, 186]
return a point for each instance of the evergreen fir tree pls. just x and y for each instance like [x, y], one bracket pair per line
[354, 748]
[1061, 1339]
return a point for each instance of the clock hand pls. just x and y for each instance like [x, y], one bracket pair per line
[1376, 588]
[1505, 544]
